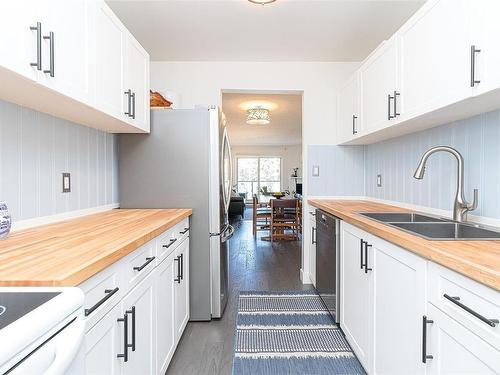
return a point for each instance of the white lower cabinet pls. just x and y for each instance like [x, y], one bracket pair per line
[139, 307]
[399, 317]
[136, 330]
[455, 349]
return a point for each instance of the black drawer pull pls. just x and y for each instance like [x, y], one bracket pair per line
[425, 356]
[170, 243]
[184, 231]
[455, 300]
[109, 293]
[126, 345]
[148, 260]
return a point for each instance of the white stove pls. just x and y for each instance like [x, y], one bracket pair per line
[41, 330]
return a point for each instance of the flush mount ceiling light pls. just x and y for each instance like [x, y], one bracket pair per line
[258, 116]
[262, 2]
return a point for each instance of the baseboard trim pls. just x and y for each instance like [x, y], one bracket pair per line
[305, 277]
[44, 220]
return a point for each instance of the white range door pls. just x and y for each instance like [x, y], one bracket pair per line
[41, 330]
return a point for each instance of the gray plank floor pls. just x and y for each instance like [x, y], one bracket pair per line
[207, 347]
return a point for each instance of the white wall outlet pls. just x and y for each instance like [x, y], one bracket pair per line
[66, 183]
[315, 171]
[379, 180]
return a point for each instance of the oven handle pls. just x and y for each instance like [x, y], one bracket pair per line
[67, 347]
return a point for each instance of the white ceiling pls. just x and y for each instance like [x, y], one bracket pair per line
[286, 119]
[287, 30]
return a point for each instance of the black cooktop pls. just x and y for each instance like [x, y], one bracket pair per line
[14, 305]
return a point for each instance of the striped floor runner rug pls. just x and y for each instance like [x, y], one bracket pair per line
[289, 333]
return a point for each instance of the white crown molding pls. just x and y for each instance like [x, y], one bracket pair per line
[44, 220]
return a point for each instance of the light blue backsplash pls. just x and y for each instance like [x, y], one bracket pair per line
[478, 139]
[341, 170]
[36, 148]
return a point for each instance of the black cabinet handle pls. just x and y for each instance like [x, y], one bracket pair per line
[126, 345]
[389, 98]
[170, 243]
[132, 312]
[425, 356]
[366, 257]
[50, 37]
[129, 99]
[473, 51]
[178, 260]
[455, 300]
[184, 231]
[148, 260]
[313, 235]
[109, 293]
[38, 29]
[396, 113]
[133, 105]
[354, 118]
[312, 213]
[182, 267]
[361, 245]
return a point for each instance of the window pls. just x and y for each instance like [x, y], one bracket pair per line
[256, 173]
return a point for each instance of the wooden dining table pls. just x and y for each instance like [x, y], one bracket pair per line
[266, 199]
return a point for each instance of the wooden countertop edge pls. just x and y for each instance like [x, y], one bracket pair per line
[82, 274]
[417, 245]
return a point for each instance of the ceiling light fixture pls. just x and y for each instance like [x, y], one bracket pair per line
[258, 116]
[262, 2]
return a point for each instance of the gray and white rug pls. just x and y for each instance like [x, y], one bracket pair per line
[289, 333]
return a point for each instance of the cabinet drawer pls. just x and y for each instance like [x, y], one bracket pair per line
[170, 239]
[138, 264]
[472, 304]
[102, 292]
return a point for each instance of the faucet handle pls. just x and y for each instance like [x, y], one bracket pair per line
[473, 206]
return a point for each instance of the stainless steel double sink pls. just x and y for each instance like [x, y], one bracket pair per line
[433, 228]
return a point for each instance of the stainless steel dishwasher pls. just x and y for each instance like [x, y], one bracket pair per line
[327, 261]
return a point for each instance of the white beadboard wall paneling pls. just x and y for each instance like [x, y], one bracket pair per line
[36, 148]
[476, 138]
[341, 170]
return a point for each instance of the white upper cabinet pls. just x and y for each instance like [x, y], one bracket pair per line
[73, 59]
[110, 42]
[20, 34]
[349, 121]
[435, 59]
[484, 47]
[137, 81]
[379, 87]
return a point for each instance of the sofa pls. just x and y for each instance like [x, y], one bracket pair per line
[237, 206]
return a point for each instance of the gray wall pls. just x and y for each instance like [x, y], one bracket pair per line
[477, 138]
[36, 148]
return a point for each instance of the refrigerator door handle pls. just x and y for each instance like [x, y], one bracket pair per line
[226, 237]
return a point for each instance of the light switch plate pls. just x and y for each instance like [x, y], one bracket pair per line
[315, 171]
[379, 180]
[66, 183]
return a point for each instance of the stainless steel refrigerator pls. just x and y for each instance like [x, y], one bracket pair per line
[185, 162]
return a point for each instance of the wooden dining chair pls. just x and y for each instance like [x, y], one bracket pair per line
[284, 216]
[261, 216]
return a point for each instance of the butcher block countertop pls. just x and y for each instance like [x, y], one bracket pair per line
[478, 260]
[69, 252]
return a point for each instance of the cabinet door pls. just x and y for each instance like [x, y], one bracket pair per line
[434, 58]
[400, 301]
[485, 32]
[182, 289]
[312, 254]
[165, 337]
[18, 41]
[66, 59]
[457, 350]
[102, 344]
[137, 80]
[356, 296]
[348, 119]
[109, 51]
[141, 302]
[378, 79]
